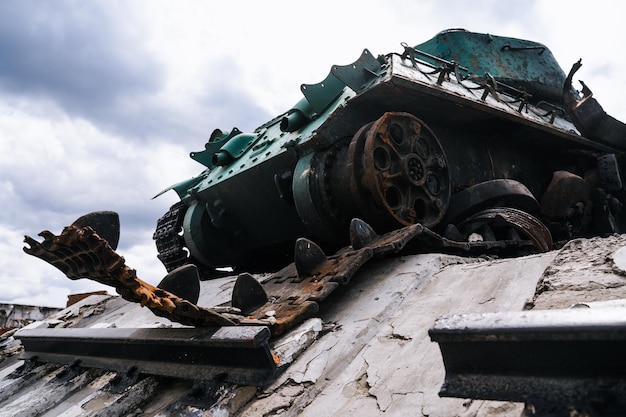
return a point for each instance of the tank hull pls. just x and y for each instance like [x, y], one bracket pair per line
[392, 140]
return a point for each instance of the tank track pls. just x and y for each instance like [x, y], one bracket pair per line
[286, 297]
[169, 242]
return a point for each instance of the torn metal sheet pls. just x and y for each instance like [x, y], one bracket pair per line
[588, 115]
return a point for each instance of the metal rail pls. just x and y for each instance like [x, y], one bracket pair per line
[553, 359]
[239, 355]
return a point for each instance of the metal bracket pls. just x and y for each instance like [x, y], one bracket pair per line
[359, 73]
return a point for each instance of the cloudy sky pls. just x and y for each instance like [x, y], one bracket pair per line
[102, 101]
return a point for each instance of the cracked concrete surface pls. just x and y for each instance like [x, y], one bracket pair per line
[379, 359]
[561, 285]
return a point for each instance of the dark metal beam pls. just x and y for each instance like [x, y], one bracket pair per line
[237, 354]
[551, 359]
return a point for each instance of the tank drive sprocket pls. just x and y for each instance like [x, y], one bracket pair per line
[393, 173]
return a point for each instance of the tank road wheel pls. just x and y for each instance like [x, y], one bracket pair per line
[492, 193]
[507, 224]
[400, 172]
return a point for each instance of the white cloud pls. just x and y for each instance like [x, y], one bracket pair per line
[28, 280]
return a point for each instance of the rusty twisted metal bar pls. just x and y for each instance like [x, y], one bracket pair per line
[79, 252]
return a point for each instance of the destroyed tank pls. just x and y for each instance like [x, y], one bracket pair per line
[479, 138]
[466, 143]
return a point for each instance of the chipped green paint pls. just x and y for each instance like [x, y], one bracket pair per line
[520, 63]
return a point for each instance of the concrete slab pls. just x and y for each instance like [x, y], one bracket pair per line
[584, 270]
[377, 358]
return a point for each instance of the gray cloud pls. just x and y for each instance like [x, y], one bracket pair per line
[77, 54]
[87, 59]
[72, 49]
[226, 103]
